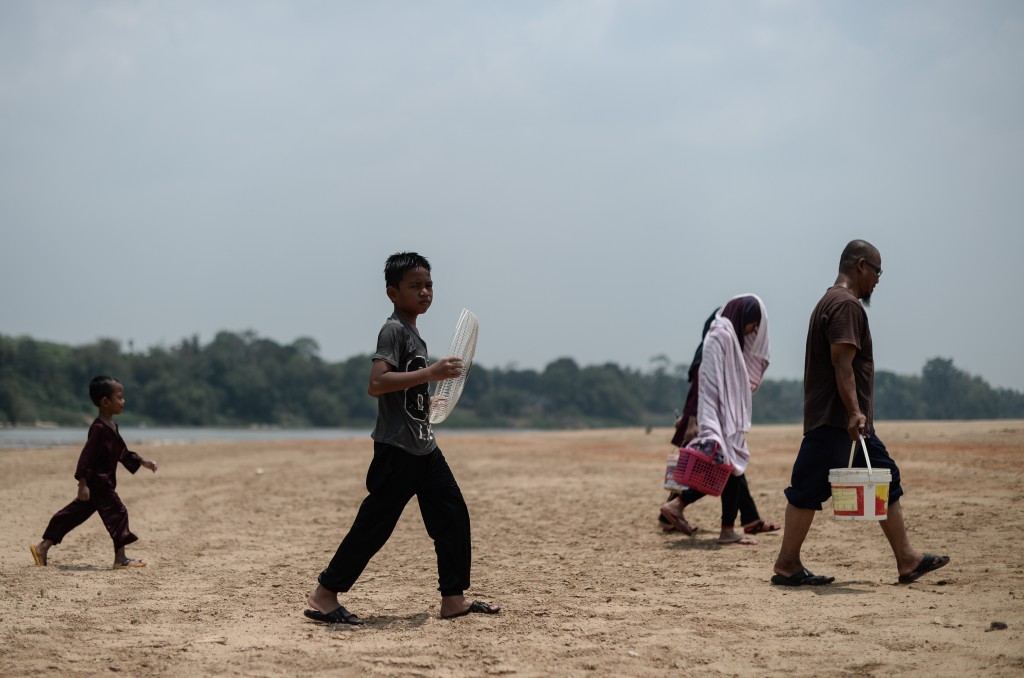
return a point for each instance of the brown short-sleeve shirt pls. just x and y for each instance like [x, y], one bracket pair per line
[839, 318]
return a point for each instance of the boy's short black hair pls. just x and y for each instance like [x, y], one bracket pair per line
[101, 387]
[400, 262]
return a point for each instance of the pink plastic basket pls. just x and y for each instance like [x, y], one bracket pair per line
[698, 472]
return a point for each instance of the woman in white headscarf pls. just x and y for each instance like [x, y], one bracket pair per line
[735, 354]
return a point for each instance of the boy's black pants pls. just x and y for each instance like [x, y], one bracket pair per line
[394, 477]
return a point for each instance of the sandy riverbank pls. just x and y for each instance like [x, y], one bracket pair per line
[564, 538]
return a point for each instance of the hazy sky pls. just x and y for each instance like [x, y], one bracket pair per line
[590, 178]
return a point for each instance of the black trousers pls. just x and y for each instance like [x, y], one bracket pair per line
[736, 498]
[394, 477]
[112, 512]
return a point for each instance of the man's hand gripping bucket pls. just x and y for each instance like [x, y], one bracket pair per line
[860, 493]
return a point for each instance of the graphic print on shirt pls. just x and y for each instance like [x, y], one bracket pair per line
[417, 400]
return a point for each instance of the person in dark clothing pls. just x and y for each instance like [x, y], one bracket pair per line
[406, 459]
[839, 370]
[97, 480]
[673, 518]
[745, 314]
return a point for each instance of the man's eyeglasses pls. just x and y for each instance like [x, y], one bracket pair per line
[877, 269]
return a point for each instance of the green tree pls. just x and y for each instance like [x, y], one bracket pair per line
[559, 382]
[177, 399]
[779, 401]
[898, 397]
[241, 378]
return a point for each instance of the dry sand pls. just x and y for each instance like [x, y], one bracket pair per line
[565, 539]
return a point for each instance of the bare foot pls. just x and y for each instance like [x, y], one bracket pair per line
[727, 538]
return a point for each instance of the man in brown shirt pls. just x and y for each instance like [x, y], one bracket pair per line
[839, 373]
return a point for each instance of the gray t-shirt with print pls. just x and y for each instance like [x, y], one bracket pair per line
[402, 416]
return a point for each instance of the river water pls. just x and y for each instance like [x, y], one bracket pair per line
[22, 438]
[58, 437]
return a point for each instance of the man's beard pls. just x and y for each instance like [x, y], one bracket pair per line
[866, 299]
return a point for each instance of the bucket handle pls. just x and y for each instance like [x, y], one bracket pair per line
[853, 448]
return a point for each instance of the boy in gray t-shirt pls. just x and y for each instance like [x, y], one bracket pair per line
[403, 416]
[406, 459]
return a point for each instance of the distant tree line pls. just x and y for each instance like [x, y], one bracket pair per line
[241, 379]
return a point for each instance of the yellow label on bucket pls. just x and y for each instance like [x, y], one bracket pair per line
[881, 499]
[846, 499]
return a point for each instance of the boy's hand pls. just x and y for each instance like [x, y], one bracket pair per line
[447, 368]
[83, 492]
[150, 464]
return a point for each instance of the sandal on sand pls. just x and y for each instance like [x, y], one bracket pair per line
[476, 606]
[678, 522]
[927, 564]
[737, 539]
[129, 562]
[40, 562]
[762, 526]
[801, 578]
[338, 616]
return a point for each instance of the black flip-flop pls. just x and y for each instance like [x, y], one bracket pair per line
[476, 606]
[762, 526]
[927, 564]
[802, 578]
[339, 616]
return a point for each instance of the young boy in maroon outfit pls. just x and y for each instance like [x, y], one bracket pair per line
[97, 466]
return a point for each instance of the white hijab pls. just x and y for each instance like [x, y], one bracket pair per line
[756, 347]
[728, 378]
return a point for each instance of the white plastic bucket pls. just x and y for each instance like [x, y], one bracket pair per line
[860, 493]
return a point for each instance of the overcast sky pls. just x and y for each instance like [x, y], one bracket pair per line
[590, 178]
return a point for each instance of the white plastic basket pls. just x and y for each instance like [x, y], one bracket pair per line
[463, 346]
